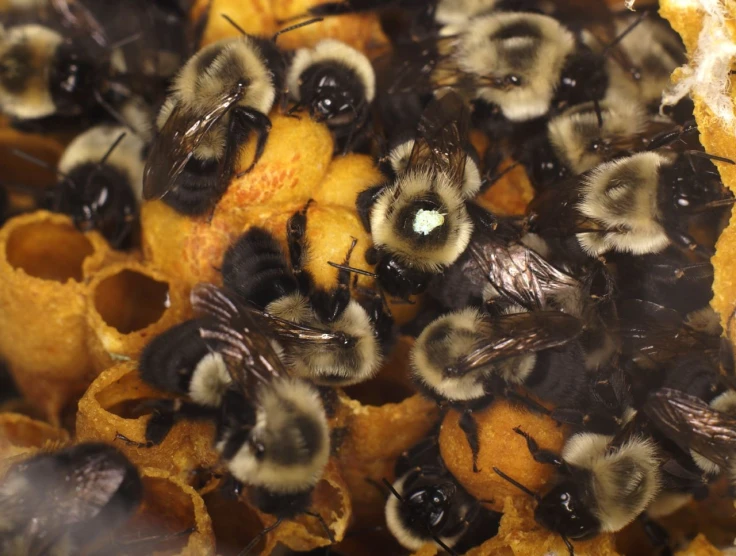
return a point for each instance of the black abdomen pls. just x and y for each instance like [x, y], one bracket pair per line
[198, 188]
[559, 375]
[169, 361]
[256, 268]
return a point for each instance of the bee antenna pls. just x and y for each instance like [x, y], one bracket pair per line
[392, 490]
[117, 116]
[729, 324]
[713, 205]
[140, 542]
[231, 22]
[622, 35]
[353, 269]
[38, 162]
[489, 181]
[126, 41]
[517, 484]
[66, 10]
[598, 112]
[709, 156]
[443, 546]
[323, 523]
[568, 544]
[112, 148]
[297, 26]
[290, 19]
[258, 537]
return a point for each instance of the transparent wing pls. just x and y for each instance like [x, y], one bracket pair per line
[518, 273]
[693, 424]
[288, 332]
[442, 136]
[174, 146]
[238, 336]
[518, 334]
[655, 334]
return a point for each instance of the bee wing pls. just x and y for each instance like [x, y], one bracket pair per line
[90, 488]
[53, 502]
[289, 332]
[519, 273]
[408, 68]
[442, 135]
[75, 15]
[174, 146]
[655, 333]
[693, 424]
[238, 336]
[554, 212]
[18, 508]
[518, 334]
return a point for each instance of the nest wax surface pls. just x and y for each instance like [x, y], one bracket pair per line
[716, 132]
[131, 303]
[173, 515]
[44, 264]
[282, 183]
[115, 404]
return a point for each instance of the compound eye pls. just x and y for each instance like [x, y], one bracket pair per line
[513, 80]
[325, 106]
[257, 448]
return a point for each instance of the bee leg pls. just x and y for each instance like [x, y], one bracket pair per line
[526, 401]
[133, 443]
[491, 162]
[329, 306]
[328, 395]
[256, 121]
[687, 243]
[657, 535]
[159, 426]
[539, 454]
[595, 421]
[568, 416]
[469, 426]
[375, 484]
[252, 544]
[295, 108]
[323, 523]
[200, 477]
[337, 437]
[365, 201]
[122, 233]
[169, 412]
[296, 239]
[153, 540]
[380, 315]
[231, 488]
[330, 8]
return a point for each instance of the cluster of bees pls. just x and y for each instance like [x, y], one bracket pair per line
[591, 308]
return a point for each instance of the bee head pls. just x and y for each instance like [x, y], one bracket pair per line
[398, 279]
[331, 97]
[583, 78]
[563, 510]
[428, 503]
[74, 76]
